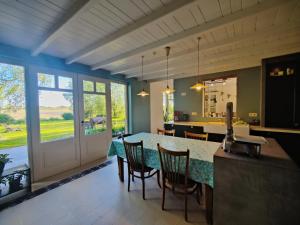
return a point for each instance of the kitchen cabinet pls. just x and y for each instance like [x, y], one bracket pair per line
[281, 85]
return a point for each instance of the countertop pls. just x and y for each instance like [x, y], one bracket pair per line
[252, 127]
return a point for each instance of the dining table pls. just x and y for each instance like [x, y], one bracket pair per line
[201, 159]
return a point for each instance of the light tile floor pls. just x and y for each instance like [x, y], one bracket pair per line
[100, 198]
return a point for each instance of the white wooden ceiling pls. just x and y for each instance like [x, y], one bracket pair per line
[114, 34]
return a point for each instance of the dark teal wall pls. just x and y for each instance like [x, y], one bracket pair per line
[13, 55]
[139, 112]
[248, 97]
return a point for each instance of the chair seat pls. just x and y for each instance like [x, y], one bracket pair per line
[138, 168]
[179, 186]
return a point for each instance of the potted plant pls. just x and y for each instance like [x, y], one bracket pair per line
[14, 181]
[2, 181]
[3, 160]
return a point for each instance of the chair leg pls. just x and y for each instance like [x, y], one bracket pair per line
[185, 207]
[128, 179]
[198, 194]
[158, 178]
[143, 182]
[200, 188]
[163, 198]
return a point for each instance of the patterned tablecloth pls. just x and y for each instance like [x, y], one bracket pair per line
[201, 153]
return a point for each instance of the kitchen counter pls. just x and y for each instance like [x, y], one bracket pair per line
[216, 127]
[270, 129]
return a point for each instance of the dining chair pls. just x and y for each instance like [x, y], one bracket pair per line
[124, 135]
[175, 173]
[196, 136]
[166, 132]
[136, 163]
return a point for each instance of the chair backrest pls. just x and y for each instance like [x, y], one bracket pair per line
[166, 132]
[174, 164]
[196, 136]
[134, 154]
[124, 135]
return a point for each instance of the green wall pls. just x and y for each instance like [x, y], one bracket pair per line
[248, 97]
[139, 107]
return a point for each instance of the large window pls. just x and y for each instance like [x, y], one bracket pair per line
[94, 104]
[13, 132]
[55, 107]
[216, 96]
[118, 108]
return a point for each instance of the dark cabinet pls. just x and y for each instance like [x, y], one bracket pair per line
[282, 91]
[179, 131]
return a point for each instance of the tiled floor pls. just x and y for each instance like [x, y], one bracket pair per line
[100, 198]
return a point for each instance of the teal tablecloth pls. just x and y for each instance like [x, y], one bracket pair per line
[201, 153]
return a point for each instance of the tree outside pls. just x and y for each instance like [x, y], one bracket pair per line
[56, 108]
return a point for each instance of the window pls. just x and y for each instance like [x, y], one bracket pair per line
[94, 104]
[118, 108]
[56, 109]
[168, 107]
[216, 96]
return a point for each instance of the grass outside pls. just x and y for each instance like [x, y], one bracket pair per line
[50, 130]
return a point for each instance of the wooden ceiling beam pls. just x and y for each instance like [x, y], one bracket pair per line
[156, 15]
[267, 4]
[75, 11]
[264, 45]
[243, 62]
[274, 30]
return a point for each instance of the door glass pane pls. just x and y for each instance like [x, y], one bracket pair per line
[88, 86]
[56, 115]
[65, 83]
[13, 131]
[100, 87]
[118, 108]
[94, 113]
[46, 80]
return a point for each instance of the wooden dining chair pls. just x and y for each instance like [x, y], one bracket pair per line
[136, 163]
[124, 135]
[166, 132]
[196, 136]
[175, 173]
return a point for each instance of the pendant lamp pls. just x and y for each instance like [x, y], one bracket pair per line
[168, 90]
[199, 85]
[143, 93]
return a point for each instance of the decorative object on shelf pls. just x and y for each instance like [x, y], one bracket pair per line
[168, 90]
[143, 93]
[3, 160]
[199, 85]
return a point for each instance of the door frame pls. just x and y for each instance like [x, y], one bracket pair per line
[39, 169]
[108, 132]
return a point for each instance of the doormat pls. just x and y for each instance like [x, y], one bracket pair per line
[52, 186]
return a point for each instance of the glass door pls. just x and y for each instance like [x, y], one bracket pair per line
[54, 125]
[95, 129]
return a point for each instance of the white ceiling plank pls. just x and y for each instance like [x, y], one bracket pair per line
[194, 31]
[259, 34]
[230, 64]
[155, 16]
[74, 12]
[227, 55]
[225, 7]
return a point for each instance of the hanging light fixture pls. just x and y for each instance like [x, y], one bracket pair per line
[199, 85]
[143, 93]
[168, 90]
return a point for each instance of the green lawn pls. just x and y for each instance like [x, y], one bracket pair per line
[50, 130]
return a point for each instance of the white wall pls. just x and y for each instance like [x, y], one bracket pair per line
[156, 104]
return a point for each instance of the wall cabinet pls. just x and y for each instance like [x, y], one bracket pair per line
[281, 76]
